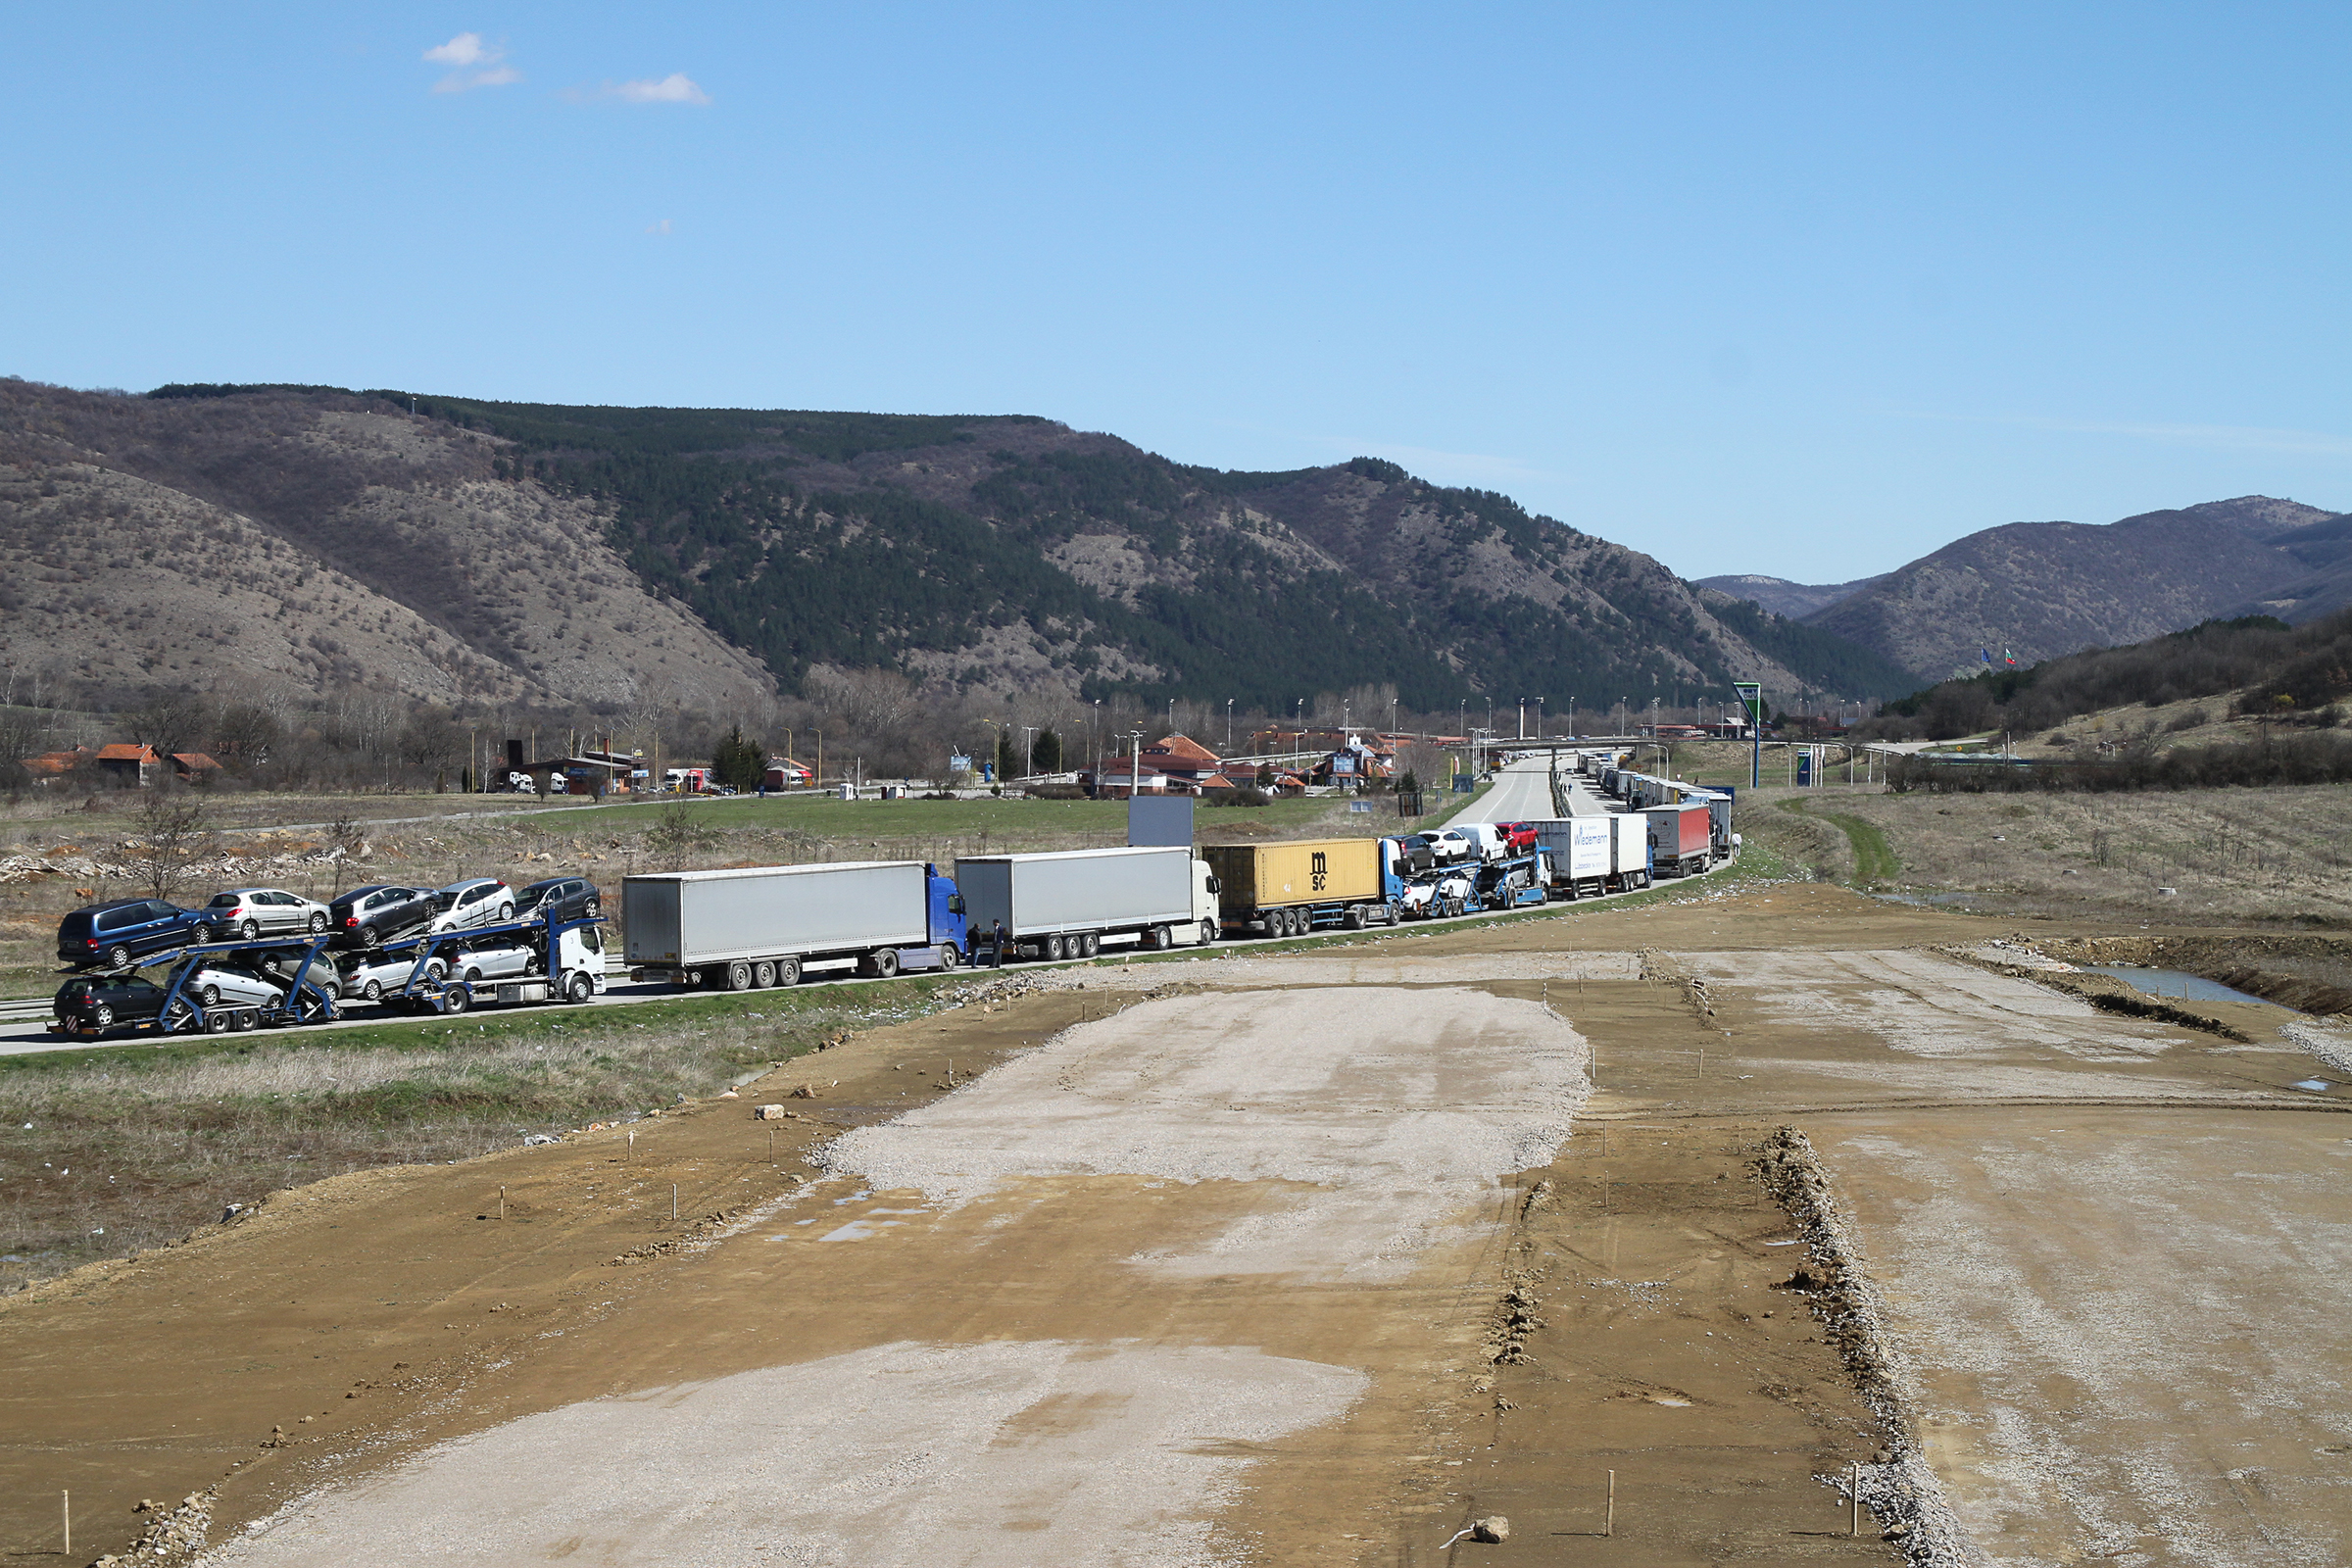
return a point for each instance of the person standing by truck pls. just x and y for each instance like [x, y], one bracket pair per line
[996, 945]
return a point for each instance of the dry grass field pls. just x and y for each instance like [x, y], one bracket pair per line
[2278, 857]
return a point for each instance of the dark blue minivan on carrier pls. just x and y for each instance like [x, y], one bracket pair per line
[111, 935]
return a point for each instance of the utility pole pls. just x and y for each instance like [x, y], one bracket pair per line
[1751, 698]
[1229, 726]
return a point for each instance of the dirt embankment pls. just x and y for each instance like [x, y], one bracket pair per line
[2308, 973]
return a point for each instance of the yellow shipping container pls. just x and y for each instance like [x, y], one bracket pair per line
[1259, 876]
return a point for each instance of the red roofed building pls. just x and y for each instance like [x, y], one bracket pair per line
[193, 766]
[1175, 764]
[50, 766]
[129, 763]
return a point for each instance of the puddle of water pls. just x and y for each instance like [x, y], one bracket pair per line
[2171, 983]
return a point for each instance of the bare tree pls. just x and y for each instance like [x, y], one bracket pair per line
[174, 837]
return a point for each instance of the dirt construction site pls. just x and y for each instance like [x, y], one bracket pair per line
[1768, 1224]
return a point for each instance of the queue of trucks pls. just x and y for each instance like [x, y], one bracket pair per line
[751, 928]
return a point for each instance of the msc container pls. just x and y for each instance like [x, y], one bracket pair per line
[1578, 848]
[1682, 838]
[731, 928]
[1285, 889]
[1629, 850]
[1061, 905]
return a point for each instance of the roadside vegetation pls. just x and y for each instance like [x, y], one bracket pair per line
[109, 1153]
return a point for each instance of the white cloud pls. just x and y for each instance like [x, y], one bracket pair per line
[662, 228]
[675, 88]
[478, 65]
[465, 49]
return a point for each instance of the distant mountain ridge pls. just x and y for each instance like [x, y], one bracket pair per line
[319, 540]
[1795, 600]
[2032, 591]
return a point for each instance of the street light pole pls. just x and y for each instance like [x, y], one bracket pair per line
[1229, 726]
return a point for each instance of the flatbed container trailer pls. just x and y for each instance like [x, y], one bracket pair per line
[1682, 838]
[1628, 850]
[762, 926]
[1062, 905]
[1286, 889]
[1577, 849]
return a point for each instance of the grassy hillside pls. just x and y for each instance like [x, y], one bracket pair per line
[2261, 664]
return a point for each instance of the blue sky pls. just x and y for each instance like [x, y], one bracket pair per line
[1805, 290]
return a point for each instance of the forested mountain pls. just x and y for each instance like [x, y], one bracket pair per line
[635, 558]
[1006, 549]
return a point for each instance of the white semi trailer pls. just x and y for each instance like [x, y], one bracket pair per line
[742, 930]
[1066, 905]
[1580, 852]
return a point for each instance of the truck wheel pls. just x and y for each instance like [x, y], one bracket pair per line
[763, 975]
[738, 976]
[216, 1022]
[886, 962]
[1355, 919]
[949, 956]
[1163, 938]
[1055, 949]
[578, 989]
[1209, 933]
[788, 971]
[1090, 944]
[456, 999]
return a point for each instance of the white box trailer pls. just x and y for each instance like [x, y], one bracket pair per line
[1629, 850]
[1579, 850]
[1064, 905]
[757, 926]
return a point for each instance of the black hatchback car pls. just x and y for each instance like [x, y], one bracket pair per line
[111, 935]
[95, 1004]
[559, 898]
[369, 916]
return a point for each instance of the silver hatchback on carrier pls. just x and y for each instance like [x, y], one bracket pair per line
[242, 914]
[476, 901]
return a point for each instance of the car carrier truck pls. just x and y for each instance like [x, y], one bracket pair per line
[763, 925]
[1065, 905]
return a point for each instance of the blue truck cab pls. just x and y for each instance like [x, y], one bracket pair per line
[948, 925]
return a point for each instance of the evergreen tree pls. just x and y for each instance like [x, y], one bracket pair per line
[1045, 757]
[737, 763]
